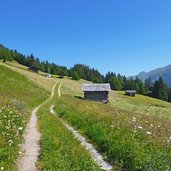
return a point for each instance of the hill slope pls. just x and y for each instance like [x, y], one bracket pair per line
[132, 132]
[39, 79]
[164, 72]
[18, 96]
[20, 92]
[138, 105]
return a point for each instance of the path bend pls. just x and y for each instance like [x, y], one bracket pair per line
[97, 157]
[30, 149]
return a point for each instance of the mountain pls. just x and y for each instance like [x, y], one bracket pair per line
[164, 72]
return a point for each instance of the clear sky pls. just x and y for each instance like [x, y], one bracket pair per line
[124, 36]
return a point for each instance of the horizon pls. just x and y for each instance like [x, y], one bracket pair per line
[122, 37]
[159, 67]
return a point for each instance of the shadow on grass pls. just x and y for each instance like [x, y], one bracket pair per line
[79, 97]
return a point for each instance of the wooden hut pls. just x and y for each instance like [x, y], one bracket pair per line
[96, 92]
[48, 75]
[33, 69]
[130, 92]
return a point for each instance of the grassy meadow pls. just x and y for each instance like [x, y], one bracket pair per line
[38, 79]
[59, 149]
[138, 105]
[131, 133]
[18, 96]
[141, 105]
[20, 92]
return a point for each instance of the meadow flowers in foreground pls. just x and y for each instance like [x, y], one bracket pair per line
[132, 141]
[18, 96]
[12, 124]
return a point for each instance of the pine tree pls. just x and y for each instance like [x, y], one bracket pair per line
[75, 76]
[160, 90]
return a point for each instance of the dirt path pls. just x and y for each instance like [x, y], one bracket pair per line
[97, 157]
[30, 149]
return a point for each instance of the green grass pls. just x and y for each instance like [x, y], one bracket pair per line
[138, 105]
[131, 133]
[141, 105]
[18, 96]
[38, 79]
[59, 149]
[127, 137]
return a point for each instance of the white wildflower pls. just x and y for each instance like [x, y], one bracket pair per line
[10, 141]
[134, 119]
[140, 127]
[2, 168]
[20, 128]
[148, 133]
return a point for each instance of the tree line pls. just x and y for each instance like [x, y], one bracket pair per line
[157, 89]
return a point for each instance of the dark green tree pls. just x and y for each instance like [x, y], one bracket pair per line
[75, 76]
[169, 94]
[115, 83]
[160, 90]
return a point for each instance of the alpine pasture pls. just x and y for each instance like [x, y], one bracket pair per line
[18, 96]
[60, 150]
[21, 91]
[132, 133]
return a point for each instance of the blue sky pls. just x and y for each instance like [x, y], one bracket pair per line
[123, 36]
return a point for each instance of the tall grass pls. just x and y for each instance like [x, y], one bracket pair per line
[131, 141]
[38, 79]
[18, 96]
[59, 149]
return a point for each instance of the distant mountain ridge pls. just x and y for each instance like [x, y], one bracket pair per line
[164, 72]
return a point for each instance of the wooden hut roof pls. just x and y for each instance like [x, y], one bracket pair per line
[96, 87]
[33, 67]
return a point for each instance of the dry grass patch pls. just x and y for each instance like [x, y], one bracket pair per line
[38, 79]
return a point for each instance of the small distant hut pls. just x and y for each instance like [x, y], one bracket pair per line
[33, 69]
[130, 92]
[96, 92]
[48, 75]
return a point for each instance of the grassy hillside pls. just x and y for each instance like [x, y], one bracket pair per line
[18, 96]
[20, 92]
[132, 133]
[138, 105]
[60, 150]
[39, 79]
[141, 105]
